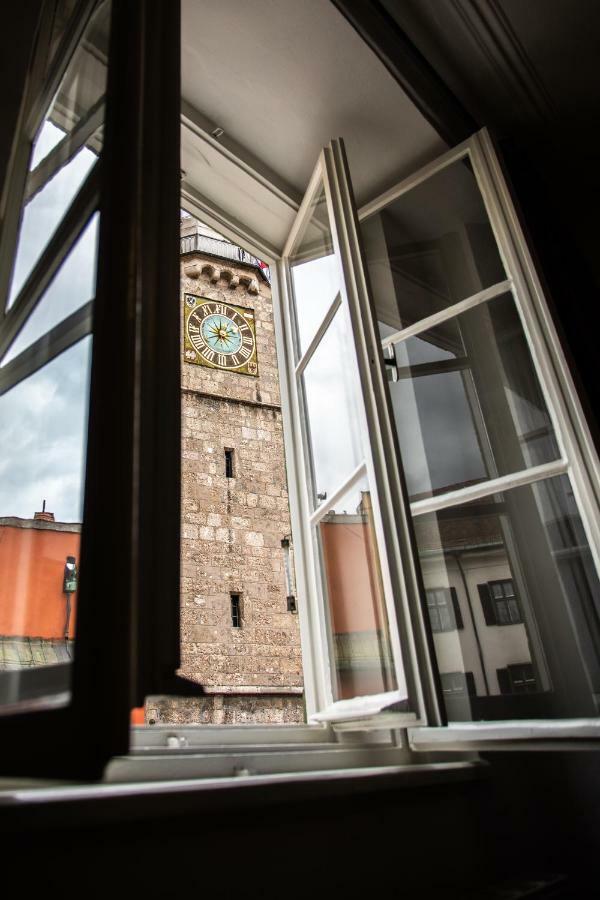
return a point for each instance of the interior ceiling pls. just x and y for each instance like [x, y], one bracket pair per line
[281, 78]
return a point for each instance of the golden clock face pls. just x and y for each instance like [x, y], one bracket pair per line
[219, 335]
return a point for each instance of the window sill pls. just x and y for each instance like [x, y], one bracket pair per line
[521, 734]
[28, 805]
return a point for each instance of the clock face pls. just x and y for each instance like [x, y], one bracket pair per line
[219, 335]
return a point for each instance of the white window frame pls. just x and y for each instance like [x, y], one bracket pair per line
[578, 457]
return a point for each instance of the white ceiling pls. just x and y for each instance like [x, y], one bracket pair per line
[281, 78]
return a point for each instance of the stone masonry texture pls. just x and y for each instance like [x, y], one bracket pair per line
[232, 528]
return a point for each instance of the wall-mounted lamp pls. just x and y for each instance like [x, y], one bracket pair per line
[70, 579]
[69, 587]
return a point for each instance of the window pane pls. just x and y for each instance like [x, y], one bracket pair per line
[73, 285]
[468, 404]
[533, 536]
[43, 214]
[43, 423]
[361, 645]
[52, 188]
[81, 89]
[315, 273]
[430, 248]
[331, 404]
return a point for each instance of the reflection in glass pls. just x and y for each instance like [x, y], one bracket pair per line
[44, 212]
[65, 149]
[43, 423]
[527, 602]
[359, 625]
[73, 285]
[314, 270]
[430, 248]
[331, 404]
[467, 403]
[81, 89]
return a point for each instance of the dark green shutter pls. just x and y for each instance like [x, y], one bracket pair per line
[504, 681]
[456, 607]
[487, 604]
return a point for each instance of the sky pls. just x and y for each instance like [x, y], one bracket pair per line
[43, 420]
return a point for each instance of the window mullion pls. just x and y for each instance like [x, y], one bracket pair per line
[449, 313]
[64, 151]
[56, 250]
[486, 488]
[46, 348]
[319, 334]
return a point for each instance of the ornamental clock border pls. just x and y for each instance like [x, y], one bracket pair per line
[219, 335]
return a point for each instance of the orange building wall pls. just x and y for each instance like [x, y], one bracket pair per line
[354, 594]
[32, 564]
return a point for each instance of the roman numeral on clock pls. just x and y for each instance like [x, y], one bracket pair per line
[220, 310]
[194, 329]
[209, 354]
[234, 359]
[221, 359]
[244, 352]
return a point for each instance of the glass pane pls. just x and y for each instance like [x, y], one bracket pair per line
[43, 214]
[350, 558]
[74, 285]
[43, 427]
[430, 248]
[467, 403]
[331, 404]
[82, 87]
[315, 274]
[529, 600]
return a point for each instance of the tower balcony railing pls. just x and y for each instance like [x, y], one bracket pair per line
[199, 243]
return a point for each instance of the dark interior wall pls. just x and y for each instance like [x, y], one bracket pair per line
[554, 222]
[526, 821]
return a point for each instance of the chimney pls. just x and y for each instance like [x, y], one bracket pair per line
[43, 515]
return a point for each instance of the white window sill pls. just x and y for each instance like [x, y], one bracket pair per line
[520, 734]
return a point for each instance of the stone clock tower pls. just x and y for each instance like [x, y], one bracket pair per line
[240, 634]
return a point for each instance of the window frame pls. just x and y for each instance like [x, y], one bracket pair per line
[84, 728]
[578, 454]
[578, 457]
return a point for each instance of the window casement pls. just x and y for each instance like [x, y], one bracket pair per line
[499, 602]
[458, 683]
[432, 429]
[443, 608]
[518, 678]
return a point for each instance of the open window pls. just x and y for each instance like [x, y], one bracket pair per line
[443, 486]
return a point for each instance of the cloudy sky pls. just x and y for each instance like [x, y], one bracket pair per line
[43, 420]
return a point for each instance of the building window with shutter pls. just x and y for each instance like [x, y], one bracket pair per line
[458, 684]
[499, 603]
[517, 679]
[444, 610]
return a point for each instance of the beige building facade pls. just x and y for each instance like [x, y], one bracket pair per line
[240, 633]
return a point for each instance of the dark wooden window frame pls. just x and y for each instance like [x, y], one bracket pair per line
[127, 643]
